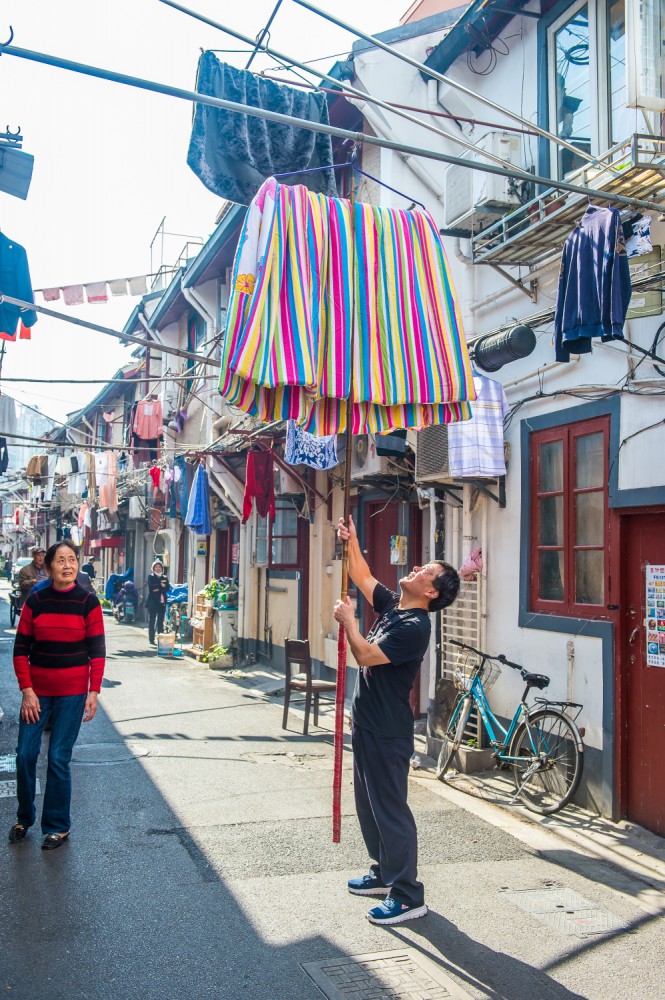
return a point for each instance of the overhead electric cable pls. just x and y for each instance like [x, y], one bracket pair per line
[373, 40]
[312, 126]
[159, 348]
[343, 87]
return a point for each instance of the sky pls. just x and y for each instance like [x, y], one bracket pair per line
[110, 160]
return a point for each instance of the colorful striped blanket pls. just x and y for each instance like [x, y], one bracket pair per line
[305, 270]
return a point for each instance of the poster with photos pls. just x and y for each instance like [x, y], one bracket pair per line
[655, 605]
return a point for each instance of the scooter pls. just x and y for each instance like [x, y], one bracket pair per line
[125, 603]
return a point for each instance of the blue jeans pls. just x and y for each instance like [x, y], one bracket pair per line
[66, 715]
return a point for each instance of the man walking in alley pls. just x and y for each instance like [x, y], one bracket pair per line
[33, 572]
[382, 723]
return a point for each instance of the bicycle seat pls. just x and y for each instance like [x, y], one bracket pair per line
[539, 681]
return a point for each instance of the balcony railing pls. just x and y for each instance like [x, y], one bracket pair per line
[634, 168]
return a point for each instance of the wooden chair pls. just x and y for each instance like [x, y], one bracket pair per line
[300, 679]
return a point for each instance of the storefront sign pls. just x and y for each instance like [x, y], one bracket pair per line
[202, 546]
[235, 553]
[655, 605]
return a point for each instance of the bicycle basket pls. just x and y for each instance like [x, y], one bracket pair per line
[491, 674]
[465, 663]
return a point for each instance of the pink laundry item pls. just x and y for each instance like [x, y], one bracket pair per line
[73, 295]
[97, 291]
[50, 294]
[83, 510]
[472, 565]
[148, 420]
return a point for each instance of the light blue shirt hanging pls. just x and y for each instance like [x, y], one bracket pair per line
[198, 508]
[303, 448]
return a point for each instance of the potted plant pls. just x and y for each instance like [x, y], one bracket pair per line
[218, 656]
[210, 592]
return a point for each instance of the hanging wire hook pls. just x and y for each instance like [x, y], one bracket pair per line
[3, 45]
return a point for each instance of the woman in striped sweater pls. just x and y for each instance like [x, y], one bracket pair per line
[59, 656]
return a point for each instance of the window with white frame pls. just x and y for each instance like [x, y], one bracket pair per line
[587, 80]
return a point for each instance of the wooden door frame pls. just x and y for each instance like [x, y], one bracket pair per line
[617, 560]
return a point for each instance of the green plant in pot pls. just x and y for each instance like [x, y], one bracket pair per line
[218, 656]
[211, 591]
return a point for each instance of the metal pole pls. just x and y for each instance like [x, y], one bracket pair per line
[162, 348]
[340, 85]
[342, 133]
[263, 32]
[443, 79]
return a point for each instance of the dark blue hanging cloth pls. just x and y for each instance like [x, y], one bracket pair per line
[233, 153]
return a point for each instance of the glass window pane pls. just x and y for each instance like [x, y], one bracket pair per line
[590, 577]
[589, 518]
[573, 89]
[550, 576]
[647, 69]
[623, 120]
[589, 465]
[286, 521]
[284, 551]
[551, 467]
[550, 520]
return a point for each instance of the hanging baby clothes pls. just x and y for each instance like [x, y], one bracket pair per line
[233, 153]
[303, 448]
[594, 284]
[259, 485]
[198, 507]
[475, 447]
[15, 282]
[286, 351]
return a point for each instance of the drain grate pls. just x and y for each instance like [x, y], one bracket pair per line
[388, 975]
[107, 753]
[564, 910]
[8, 762]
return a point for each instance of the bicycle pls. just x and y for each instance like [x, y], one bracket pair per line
[542, 745]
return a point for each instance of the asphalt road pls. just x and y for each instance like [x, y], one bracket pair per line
[201, 864]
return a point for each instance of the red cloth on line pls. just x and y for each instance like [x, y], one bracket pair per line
[25, 332]
[259, 485]
[155, 474]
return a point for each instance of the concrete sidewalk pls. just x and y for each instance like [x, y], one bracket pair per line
[201, 865]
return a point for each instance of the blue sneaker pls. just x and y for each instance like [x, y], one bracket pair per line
[368, 885]
[391, 911]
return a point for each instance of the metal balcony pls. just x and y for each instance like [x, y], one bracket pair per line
[634, 168]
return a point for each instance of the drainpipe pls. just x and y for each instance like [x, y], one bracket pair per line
[197, 303]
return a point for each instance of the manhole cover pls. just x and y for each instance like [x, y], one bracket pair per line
[107, 753]
[564, 910]
[386, 975]
[8, 762]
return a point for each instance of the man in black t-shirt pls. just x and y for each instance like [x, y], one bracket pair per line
[382, 723]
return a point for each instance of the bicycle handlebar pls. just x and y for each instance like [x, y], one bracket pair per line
[501, 658]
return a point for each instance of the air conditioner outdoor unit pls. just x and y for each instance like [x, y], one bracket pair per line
[364, 461]
[286, 485]
[432, 455]
[472, 198]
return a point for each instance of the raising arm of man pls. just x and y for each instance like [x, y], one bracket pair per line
[359, 571]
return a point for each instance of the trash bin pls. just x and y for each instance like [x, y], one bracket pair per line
[165, 643]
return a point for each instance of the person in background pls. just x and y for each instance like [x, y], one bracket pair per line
[33, 572]
[8, 568]
[59, 656]
[157, 586]
[88, 567]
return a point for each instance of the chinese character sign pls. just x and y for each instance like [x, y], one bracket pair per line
[655, 605]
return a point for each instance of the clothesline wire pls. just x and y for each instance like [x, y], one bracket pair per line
[344, 87]
[361, 137]
[104, 381]
[336, 92]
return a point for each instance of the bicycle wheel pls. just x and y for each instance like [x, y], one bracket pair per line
[550, 744]
[454, 735]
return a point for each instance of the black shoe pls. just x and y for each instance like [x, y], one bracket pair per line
[54, 840]
[17, 832]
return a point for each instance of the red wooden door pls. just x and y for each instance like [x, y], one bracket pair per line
[380, 524]
[644, 730]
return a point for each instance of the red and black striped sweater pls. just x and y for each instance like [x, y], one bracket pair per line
[60, 647]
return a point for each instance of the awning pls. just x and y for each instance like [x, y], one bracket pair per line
[115, 542]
